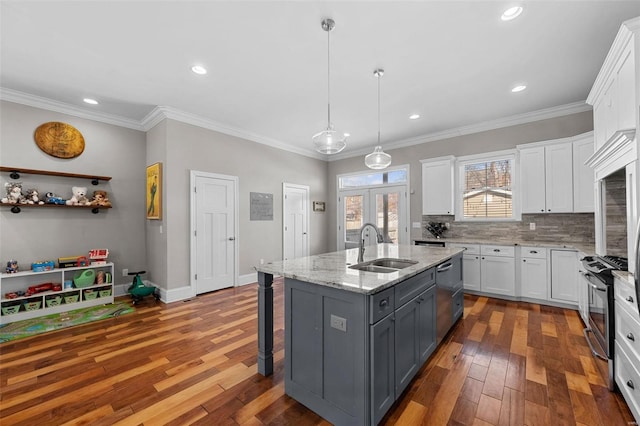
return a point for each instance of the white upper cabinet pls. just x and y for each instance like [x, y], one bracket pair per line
[613, 95]
[438, 186]
[546, 178]
[583, 175]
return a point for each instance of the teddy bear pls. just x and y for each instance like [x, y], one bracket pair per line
[14, 193]
[79, 197]
[100, 199]
[33, 197]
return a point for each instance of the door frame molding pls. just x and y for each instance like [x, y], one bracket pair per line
[286, 185]
[194, 174]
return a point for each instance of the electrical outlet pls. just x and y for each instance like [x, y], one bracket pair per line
[417, 225]
[339, 323]
[125, 272]
[532, 226]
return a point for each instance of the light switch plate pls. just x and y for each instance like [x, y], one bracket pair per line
[532, 226]
[416, 225]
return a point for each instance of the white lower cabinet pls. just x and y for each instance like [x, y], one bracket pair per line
[533, 273]
[470, 265]
[627, 350]
[564, 276]
[497, 270]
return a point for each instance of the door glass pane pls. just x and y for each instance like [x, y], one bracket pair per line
[353, 217]
[387, 214]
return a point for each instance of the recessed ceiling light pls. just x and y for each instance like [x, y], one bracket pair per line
[518, 88]
[511, 13]
[90, 101]
[414, 116]
[199, 69]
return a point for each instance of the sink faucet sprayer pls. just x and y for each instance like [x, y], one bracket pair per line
[379, 238]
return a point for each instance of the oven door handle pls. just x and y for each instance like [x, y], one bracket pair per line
[593, 350]
[598, 288]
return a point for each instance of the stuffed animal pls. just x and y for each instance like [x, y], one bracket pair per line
[14, 193]
[51, 198]
[79, 197]
[33, 197]
[100, 199]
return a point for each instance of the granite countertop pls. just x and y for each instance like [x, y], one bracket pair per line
[332, 269]
[586, 249]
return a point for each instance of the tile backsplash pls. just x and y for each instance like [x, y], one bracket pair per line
[551, 227]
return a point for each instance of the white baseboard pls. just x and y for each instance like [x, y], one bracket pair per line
[247, 279]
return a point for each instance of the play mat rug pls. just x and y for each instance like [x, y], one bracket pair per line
[34, 326]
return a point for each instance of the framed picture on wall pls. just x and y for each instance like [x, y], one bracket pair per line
[154, 191]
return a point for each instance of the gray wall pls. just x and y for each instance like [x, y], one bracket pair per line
[49, 233]
[259, 168]
[492, 140]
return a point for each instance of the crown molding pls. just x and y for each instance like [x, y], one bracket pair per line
[513, 120]
[160, 113]
[17, 97]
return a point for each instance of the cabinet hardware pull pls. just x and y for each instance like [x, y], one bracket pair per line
[496, 250]
[524, 260]
[630, 384]
[629, 299]
[533, 251]
[444, 267]
[383, 303]
[631, 337]
[232, 238]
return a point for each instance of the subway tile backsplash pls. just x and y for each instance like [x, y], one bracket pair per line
[576, 228]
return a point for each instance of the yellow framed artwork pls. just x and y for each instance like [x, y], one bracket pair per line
[154, 191]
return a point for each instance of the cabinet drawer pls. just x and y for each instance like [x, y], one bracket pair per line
[468, 248]
[533, 252]
[628, 379]
[381, 304]
[626, 295]
[412, 287]
[627, 332]
[506, 251]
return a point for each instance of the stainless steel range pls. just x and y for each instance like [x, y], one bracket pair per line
[599, 276]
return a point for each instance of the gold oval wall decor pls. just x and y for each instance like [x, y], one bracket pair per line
[59, 140]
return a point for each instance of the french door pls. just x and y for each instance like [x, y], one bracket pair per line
[386, 207]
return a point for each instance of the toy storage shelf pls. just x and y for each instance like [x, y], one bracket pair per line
[51, 302]
[14, 173]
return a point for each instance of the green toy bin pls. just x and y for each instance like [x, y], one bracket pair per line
[84, 278]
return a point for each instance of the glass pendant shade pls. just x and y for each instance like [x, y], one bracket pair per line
[329, 141]
[378, 159]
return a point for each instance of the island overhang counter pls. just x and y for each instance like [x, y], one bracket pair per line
[354, 339]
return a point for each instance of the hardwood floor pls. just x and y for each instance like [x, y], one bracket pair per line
[194, 362]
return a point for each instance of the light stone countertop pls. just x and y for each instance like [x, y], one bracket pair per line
[625, 276]
[586, 249]
[332, 269]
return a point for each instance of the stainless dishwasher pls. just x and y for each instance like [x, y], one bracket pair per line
[448, 282]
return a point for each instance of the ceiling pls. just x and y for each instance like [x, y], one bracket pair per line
[452, 62]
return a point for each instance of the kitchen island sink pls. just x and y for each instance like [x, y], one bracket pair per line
[356, 333]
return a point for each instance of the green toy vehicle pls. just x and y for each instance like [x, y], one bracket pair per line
[138, 290]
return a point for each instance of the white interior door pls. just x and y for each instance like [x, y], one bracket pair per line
[214, 234]
[296, 221]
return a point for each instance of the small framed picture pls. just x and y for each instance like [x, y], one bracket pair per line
[154, 191]
[318, 206]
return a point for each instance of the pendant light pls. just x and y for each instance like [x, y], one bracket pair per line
[378, 159]
[329, 141]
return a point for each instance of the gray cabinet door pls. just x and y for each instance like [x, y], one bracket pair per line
[407, 341]
[427, 323]
[382, 367]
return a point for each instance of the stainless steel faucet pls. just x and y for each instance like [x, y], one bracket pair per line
[379, 238]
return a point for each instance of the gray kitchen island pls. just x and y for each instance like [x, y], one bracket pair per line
[356, 333]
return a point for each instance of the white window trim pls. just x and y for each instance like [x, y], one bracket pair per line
[510, 154]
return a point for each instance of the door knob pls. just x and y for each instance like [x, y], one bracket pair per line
[232, 238]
